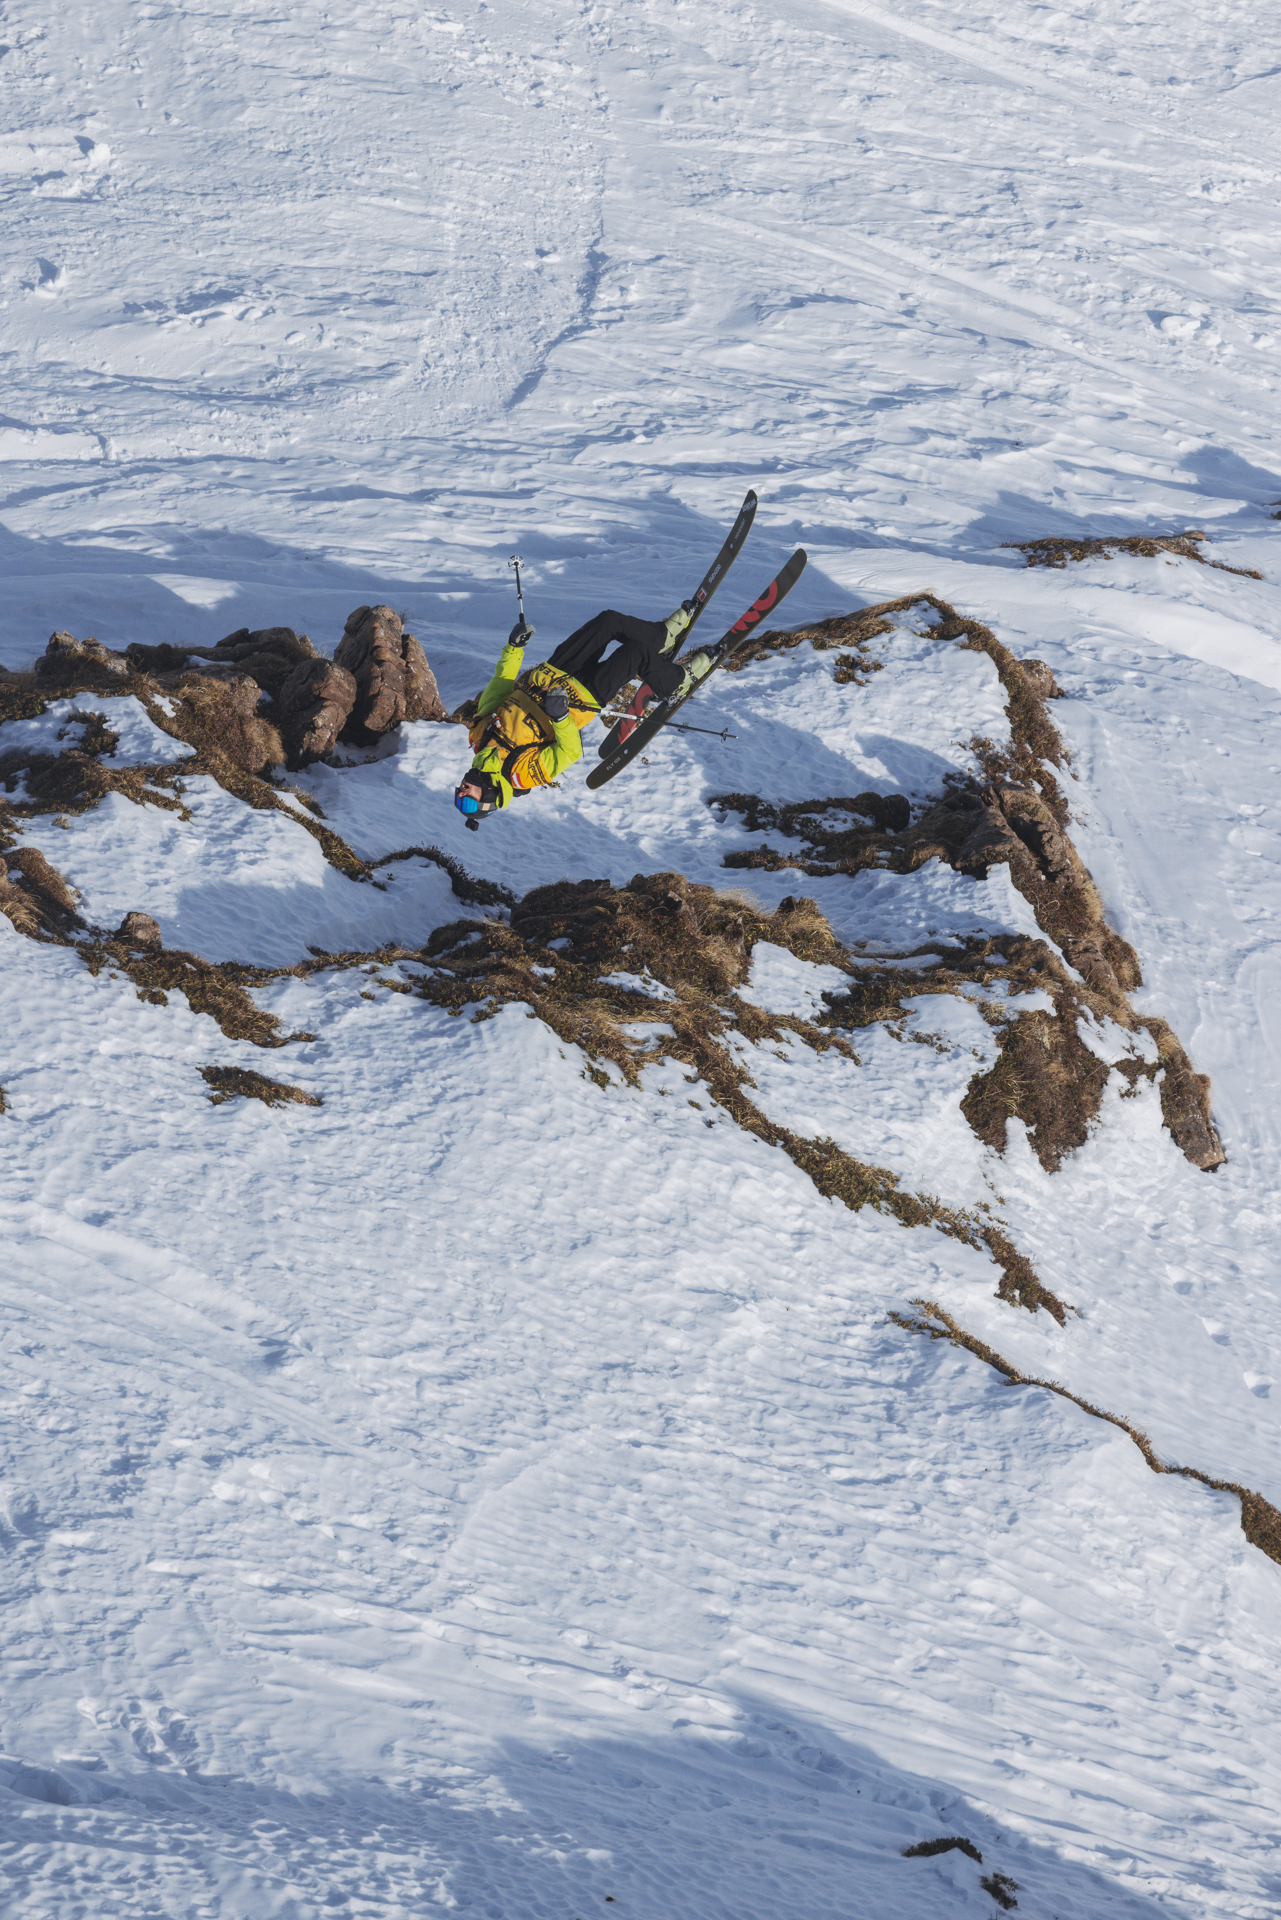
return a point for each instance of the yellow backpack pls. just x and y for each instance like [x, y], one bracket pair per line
[520, 729]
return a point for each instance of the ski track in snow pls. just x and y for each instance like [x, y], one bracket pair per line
[486, 1492]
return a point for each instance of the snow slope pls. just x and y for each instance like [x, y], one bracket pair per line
[485, 1491]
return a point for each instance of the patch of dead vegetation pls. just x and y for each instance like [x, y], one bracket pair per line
[854, 632]
[1044, 1076]
[564, 940]
[1057, 553]
[467, 886]
[220, 719]
[35, 896]
[1260, 1520]
[231, 1083]
[692, 940]
[1015, 816]
[926, 1849]
[220, 989]
[233, 746]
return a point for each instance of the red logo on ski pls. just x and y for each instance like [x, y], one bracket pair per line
[757, 609]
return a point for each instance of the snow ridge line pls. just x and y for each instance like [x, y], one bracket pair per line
[1260, 1520]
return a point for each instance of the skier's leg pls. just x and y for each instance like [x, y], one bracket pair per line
[639, 655]
[580, 654]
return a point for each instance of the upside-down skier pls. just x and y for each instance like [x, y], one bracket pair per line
[528, 726]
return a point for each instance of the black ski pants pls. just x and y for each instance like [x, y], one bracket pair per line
[638, 656]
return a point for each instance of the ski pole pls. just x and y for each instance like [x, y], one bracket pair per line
[515, 562]
[683, 727]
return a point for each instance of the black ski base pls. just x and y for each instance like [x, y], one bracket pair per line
[702, 596]
[724, 650]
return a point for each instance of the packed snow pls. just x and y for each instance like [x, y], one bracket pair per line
[491, 1491]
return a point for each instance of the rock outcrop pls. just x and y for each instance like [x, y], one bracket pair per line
[140, 931]
[66, 658]
[393, 680]
[267, 655]
[312, 708]
[378, 678]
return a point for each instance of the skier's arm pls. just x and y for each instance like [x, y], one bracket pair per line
[567, 747]
[505, 674]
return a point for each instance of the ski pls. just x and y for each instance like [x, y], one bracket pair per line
[722, 653]
[710, 581]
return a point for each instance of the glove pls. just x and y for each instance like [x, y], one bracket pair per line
[520, 635]
[556, 703]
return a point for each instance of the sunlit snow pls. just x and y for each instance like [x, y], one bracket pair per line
[488, 1491]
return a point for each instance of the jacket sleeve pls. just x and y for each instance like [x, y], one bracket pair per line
[568, 747]
[505, 675]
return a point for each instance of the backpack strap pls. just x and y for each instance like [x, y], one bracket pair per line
[532, 711]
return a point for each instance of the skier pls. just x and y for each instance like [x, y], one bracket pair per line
[528, 727]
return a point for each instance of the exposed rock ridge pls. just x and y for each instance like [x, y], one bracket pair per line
[265, 698]
[1260, 1520]
[1017, 816]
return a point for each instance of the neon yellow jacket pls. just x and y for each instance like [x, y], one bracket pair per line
[523, 749]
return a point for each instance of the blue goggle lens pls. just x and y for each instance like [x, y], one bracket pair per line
[465, 803]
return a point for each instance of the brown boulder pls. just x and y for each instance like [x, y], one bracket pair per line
[66, 658]
[140, 930]
[889, 812]
[1041, 674]
[163, 658]
[393, 679]
[1040, 832]
[269, 655]
[991, 840]
[312, 707]
[422, 695]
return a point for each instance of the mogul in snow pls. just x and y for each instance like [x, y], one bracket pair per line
[528, 726]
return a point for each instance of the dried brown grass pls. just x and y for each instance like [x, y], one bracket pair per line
[697, 943]
[220, 718]
[467, 886]
[852, 631]
[1017, 816]
[1260, 1520]
[40, 904]
[926, 1849]
[231, 1083]
[219, 989]
[1056, 553]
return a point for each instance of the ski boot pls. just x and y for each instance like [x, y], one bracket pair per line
[676, 624]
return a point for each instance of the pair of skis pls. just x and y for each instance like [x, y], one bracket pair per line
[637, 727]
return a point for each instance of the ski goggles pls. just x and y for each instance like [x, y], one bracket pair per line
[472, 809]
